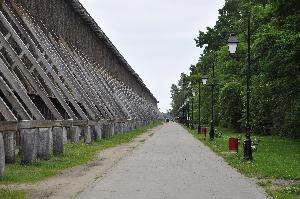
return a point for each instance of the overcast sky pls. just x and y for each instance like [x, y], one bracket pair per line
[156, 37]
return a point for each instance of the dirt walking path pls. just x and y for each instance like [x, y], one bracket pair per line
[71, 182]
[172, 164]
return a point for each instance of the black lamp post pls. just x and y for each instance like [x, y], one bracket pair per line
[192, 118]
[204, 81]
[199, 106]
[212, 123]
[232, 44]
[183, 113]
[188, 112]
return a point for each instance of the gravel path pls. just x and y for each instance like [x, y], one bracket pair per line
[173, 165]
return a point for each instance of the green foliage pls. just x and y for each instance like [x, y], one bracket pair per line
[231, 105]
[275, 67]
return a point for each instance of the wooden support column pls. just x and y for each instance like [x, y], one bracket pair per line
[29, 145]
[65, 135]
[58, 140]
[2, 156]
[108, 130]
[98, 131]
[75, 134]
[9, 146]
[87, 134]
[44, 143]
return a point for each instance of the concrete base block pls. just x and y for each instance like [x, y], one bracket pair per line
[87, 134]
[2, 156]
[75, 134]
[45, 143]
[112, 129]
[121, 128]
[29, 145]
[9, 147]
[138, 124]
[117, 128]
[108, 130]
[128, 128]
[65, 135]
[131, 126]
[58, 140]
[98, 132]
[124, 127]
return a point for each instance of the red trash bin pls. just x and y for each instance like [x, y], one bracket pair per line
[203, 130]
[233, 144]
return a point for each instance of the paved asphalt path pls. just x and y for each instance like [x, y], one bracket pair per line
[173, 165]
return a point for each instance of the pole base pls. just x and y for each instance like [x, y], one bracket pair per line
[212, 132]
[247, 150]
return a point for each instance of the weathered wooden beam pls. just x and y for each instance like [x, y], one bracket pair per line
[31, 124]
[40, 70]
[2, 156]
[9, 126]
[8, 93]
[31, 79]
[15, 83]
[81, 88]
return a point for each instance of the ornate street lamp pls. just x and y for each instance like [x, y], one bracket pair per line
[212, 122]
[188, 113]
[204, 81]
[192, 119]
[232, 45]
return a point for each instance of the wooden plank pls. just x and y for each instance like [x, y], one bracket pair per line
[15, 83]
[66, 69]
[30, 78]
[13, 100]
[6, 112]
[55, 77]
[78, 70]
[31, 124]
[37, 66]
[95, 84]
[8, 126]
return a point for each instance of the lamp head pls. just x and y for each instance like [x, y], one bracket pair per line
[232, 43]
[193, 93]
[204, 80]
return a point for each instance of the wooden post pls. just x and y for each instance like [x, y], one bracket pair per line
[2, 156]
[75, 133]
[9, 147]
[87, 134]
[44, 143]
[58, 140]
[65, 135]
[98, 131]
[29, 145]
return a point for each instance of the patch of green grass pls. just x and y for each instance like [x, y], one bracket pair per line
[275, 158]
[11, 194]
[291, 192]
[74, 155]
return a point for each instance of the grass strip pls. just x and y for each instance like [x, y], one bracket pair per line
[276, 159]
[74, 155]
[11, 194]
